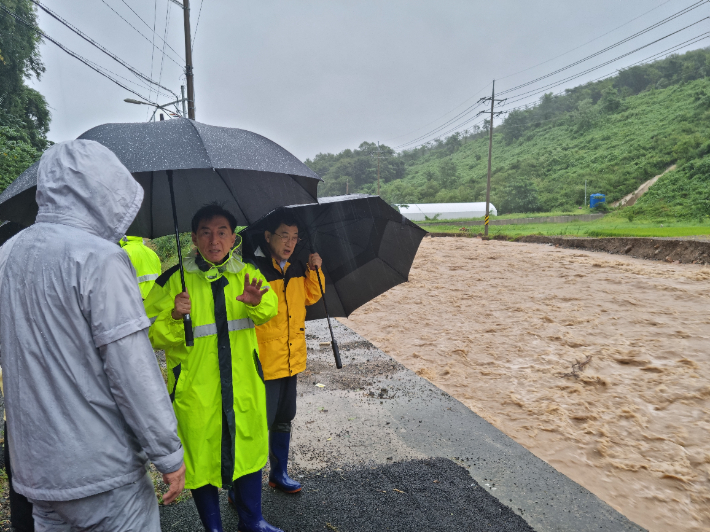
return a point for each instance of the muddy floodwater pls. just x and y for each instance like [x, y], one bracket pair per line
[599, 364]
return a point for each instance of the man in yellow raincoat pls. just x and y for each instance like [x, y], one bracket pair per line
[144, 260]
[282, 341]
[217, 385]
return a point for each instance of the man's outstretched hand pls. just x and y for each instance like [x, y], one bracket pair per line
[176, 481]
[252, 291]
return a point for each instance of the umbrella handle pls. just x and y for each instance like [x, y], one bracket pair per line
[336, 351]
[187, 324]
[186, 319]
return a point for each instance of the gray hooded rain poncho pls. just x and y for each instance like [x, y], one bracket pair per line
[86, 403]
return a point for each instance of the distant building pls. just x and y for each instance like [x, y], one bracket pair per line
[446, 211]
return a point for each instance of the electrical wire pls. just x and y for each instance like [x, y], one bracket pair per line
[627, 39]
[439, 118]
[88, 63]
[97, 45]
[148, 26]
[445, 124]
[648, 59]
[165, 35]
[619, 43]
[199, 14]
[152, 50]
[585, 44]
[526, 94]
[137, 30]
[670, 50]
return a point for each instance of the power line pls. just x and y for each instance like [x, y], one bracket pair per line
[658, 24]
[439, 118]
[586, 43]
[619, 43]
[88, 63]
[152, 50]
[97, 45]
[672, 49]
[165, 35]
[199, 14]
[462, 113]
[137, 30]
[557, 83]
[153, 30]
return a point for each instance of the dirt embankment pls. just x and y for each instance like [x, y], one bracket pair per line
[682, 251]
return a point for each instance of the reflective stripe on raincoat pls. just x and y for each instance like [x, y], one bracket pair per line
[282, 341]
[144, 260]
[217, 385]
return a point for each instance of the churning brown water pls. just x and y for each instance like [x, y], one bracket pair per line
[499, 325]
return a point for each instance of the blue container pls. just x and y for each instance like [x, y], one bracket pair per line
[594, 199]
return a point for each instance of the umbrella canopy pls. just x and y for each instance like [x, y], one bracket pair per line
[367, 247]
[249, 173]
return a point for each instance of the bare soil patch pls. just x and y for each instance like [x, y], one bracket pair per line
[668, 250]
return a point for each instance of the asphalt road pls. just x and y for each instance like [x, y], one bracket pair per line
[379, 448]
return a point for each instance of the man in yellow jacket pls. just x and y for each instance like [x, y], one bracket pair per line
[144, 260]
[282, 341]
[217, 385]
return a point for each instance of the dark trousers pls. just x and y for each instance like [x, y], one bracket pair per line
[20, 508]
[281, 403]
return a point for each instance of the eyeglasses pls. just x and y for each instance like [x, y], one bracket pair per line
[286, 238]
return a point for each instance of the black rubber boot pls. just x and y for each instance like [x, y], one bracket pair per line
[207, 502]
[278, 458]
[245, 496]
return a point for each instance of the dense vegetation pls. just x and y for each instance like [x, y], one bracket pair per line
[24, 117]
[615, 134]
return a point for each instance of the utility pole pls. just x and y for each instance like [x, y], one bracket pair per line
[347, 184]
[490, 153]
[378, 168]
[188, 61]
[182, 91]
[379, 156]
[585, 192]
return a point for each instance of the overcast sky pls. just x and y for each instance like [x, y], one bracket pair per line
[324, 75]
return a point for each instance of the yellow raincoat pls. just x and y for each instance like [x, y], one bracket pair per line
[217, 385]
[282, 341]
[144, 260]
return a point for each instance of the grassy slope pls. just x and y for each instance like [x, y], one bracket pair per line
[620, 151]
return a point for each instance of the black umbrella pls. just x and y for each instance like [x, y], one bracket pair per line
[367, 248]
[248, 173]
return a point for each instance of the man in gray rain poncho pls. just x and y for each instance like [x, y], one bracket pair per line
[86, 404]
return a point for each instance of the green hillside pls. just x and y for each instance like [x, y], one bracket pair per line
[616, 134]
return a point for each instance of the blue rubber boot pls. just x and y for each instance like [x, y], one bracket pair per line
[278, 458]
[245, 496]
[207, 502]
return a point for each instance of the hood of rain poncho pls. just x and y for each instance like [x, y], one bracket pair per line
[82, 184]
[195, 262]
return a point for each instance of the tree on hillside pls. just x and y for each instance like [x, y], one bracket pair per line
[610, 100]
[358, 167]
[515, 125]
[448, 173]
[21, 107]
[24, 117]
[518, 195]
